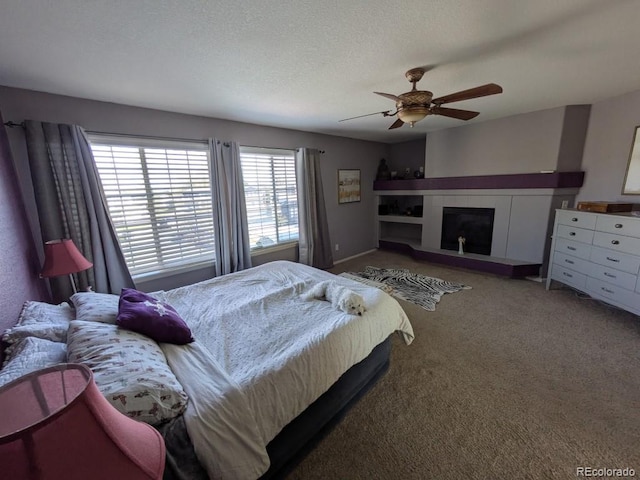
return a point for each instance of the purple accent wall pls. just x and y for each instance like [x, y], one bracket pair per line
[519, 180]
[18, 259]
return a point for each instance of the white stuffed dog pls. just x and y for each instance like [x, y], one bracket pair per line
[340, 297]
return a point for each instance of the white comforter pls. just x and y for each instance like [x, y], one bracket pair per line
[263, 354]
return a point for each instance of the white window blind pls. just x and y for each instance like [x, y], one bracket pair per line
[159, 198]
[271, 195]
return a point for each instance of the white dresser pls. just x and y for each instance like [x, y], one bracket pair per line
[599, 254]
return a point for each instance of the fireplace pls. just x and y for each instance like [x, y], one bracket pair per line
[474, 224]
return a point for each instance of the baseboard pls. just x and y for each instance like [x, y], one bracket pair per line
[342, 260]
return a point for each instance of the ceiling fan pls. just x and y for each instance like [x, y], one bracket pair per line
[413, 106]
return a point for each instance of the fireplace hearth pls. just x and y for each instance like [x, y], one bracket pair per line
[474, 224]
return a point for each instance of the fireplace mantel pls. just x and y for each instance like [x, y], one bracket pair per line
[523, 206]
[514, 181]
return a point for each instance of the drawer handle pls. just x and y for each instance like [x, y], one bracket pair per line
[615, 242]
[567, 274]
[613, 259]
[618, 225]
[572, 234]
[609, 275]
[607, 290]
[572, 248]
[569, 261]
[574, 219]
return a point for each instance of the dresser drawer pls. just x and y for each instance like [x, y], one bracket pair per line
[575, 249]
[576, 219]
[613, 292]
[617, 260]
[564, 275]
[619, 243]
[573, 263]
[621, 225]
[574, 233]
[611, 275]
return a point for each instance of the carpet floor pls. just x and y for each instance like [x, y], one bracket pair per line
[503, 381]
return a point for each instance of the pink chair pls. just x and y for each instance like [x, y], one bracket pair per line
[55, 424]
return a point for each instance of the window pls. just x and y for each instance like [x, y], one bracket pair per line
[159, 198]
[270, 190]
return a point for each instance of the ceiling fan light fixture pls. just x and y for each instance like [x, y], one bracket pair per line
[413, 115]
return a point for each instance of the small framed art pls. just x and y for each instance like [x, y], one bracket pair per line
[631, 185]
[348, 186]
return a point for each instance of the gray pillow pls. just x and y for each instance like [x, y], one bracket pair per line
[31, 354]
[41, 320]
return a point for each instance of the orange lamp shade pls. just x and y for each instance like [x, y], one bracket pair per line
[55, 424]
[62, 257]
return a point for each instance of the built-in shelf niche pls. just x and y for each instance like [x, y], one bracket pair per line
[401, 205]
[410, 233]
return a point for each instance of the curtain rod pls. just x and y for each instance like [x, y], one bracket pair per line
[11, 124]
[276, 148]
[153, 137]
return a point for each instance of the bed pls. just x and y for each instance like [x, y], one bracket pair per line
[267, 372]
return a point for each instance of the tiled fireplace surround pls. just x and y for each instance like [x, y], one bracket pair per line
[524, 211]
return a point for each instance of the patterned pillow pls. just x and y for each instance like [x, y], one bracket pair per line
[96, 307]
[129, 369]
[41, 320]
[31, 354]
[158, 320]
[40, 312]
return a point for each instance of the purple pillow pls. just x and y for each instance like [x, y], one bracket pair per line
[144, 314]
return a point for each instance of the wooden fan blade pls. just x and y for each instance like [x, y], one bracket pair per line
[397, 124]
[389, 96]
[384, 113]
[454, 113]
[482, 91]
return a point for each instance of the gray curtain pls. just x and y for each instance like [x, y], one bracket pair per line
[233, 251]
[313, 243]
[71, 204]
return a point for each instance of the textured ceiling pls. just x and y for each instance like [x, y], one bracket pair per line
[305, 64]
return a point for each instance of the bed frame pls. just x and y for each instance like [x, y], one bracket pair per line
[299, 437]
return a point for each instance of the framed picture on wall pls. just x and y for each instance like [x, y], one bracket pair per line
[348, 186]
[631, 185]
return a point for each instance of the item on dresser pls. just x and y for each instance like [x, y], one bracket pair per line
[605, 207]
[599, 254]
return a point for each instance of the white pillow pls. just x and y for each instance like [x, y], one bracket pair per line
[31, 354]
[41, 320]
[96, 307]
[40, 312]
[100, 307]
[129, 369]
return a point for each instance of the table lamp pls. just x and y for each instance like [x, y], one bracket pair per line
[62, 257]
[55, 424]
